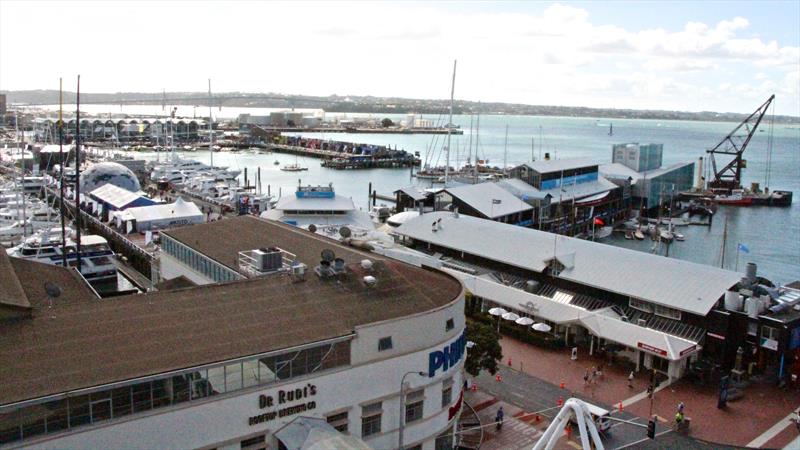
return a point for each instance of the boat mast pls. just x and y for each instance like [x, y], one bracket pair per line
[210, 127]
[78, 175]
[724, 241]
[469, 150]
[21, 174]
[61, 181]
[450, 126]
[505, 152]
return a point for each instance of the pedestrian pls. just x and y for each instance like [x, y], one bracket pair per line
[678, 418]
[594, 374]
[630, 380]
[499, 418]
[586, 377]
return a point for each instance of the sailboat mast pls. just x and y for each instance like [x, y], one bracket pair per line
[78, 175]
[469, 150]
[62, 161]
[210, 127]
[505, 152]
[21, 173]
[450, 125]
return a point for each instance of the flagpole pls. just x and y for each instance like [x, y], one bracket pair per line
[737, 257]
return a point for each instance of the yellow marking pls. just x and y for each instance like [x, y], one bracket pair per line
[575, 445]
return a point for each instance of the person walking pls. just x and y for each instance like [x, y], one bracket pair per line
[499, 418]
[594, 374]
[586, 377]
[630, 380]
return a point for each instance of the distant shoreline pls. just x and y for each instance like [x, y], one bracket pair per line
[371, 105]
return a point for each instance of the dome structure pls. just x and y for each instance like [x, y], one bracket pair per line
[103, 173]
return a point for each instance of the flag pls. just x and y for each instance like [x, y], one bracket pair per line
[599, 221]
[742, 248]
[496, 201]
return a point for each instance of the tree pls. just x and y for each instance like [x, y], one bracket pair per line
[386, 123]
[486, 352]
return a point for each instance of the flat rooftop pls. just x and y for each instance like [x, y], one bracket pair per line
[92, 341]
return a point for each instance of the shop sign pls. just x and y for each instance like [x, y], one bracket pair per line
[770, 344]
[285, 402]
[687, 350]
[652, 349]
[447, 357]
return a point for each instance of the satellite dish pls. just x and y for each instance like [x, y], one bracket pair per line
[345, 232]
[312, 228]
[53, 291]
[328, 255]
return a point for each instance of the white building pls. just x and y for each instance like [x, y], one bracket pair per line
[654, 309]
[231, 365]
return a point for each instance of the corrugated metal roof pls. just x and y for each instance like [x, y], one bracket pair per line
[617, 170]
[554, 165]
[482, 195]
[669, 282]
[521, 189]
[413, 192]
[338, 203]
[580, 190]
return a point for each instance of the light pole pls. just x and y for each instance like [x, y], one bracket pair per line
[402, 405]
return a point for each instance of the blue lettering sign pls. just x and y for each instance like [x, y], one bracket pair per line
[448, 356]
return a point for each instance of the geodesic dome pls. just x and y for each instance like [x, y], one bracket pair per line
[103, 173]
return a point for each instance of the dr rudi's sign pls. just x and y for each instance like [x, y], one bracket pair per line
[286, 403]
[447, 357]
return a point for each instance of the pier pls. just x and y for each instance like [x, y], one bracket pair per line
[363, 130]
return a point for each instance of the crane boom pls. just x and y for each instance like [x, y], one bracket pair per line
[730, 176]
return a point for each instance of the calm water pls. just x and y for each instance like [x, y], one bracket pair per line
[772, 234]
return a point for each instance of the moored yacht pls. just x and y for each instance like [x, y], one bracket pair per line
[46, 246]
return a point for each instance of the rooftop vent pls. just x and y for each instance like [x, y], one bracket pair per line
[370, 281]
[324, 269]
[366, 264]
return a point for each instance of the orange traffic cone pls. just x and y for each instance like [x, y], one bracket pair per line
[562, 385]
[498, 378]
[620, 406]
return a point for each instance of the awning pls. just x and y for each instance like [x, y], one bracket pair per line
[592, 198]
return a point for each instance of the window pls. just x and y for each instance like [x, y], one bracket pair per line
[769, 333]
[445, 440]
[371, 419]
[641, 305]
[338, 421]
[669, 313]
[752, 328]
[447, 392]
[414, 405]
[254, 443]
[385, 344]
[449, 325]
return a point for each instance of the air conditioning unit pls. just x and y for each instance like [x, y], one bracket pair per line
[267, 259]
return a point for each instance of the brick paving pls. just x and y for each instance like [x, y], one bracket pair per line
[761, 407]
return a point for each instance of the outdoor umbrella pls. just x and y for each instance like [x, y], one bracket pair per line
[541, 326]
[524, 321]
[510, 316]
[497, 311]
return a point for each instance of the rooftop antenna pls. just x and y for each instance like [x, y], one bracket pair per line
[78, 175]
[450, 125]
[53, 292]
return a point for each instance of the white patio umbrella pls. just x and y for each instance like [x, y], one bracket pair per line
[497, 311]
[541, 326]
[510, 316]
[525, 321]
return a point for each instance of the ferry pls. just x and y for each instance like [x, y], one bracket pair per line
[97, 258]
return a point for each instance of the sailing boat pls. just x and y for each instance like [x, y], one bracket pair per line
[293, 167]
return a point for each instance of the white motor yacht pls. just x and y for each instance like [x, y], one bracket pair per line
[321, 207]
[46, 246]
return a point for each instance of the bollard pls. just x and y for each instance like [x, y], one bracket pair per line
[474, 387]
[560, 401]
[509, 362]
[538, 418]
[498, 378]
[620, 407]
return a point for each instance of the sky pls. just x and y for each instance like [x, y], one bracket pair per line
[675, 55]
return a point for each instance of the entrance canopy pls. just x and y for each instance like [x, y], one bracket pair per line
[307, 433]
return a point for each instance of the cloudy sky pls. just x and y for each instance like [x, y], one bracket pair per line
[721, 56]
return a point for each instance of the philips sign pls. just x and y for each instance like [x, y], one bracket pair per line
[447, 357]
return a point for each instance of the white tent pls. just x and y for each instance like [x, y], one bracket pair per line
[159, 217]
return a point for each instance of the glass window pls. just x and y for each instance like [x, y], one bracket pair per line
[752, 328]
[641, 305]
[79, 411]
[449, 325]
[414, 405]
[664, 311]
[371, 419]
[32, 422]
[233, 377]
[142, 397]
[254, 443]
[181, 387]
[385, 344]
[56, 416]
[216, 380]
[447, 392]
[338, 421]
[121, 401]
[769, 333]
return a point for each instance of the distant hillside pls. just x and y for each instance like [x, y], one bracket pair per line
[369, 104]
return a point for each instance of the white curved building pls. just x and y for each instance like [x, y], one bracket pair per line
[231, 365]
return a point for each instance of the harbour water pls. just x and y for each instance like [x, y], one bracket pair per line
[771, 234]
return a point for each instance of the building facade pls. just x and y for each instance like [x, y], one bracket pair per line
[229, 365]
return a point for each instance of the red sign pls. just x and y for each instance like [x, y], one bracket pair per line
[456, 407]
[650, 348]
[688, 350]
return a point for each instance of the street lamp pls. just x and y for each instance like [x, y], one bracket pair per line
[402, 404]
